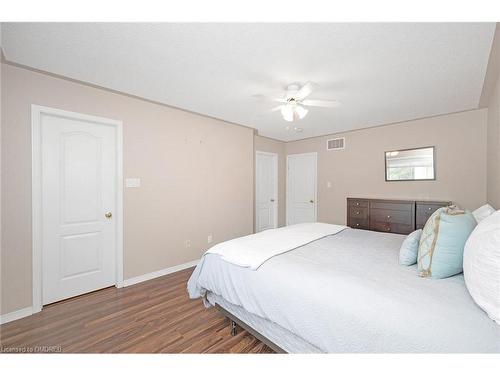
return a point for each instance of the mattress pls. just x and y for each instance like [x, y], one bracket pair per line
[347, 293]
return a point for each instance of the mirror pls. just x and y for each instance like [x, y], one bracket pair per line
[410, 165]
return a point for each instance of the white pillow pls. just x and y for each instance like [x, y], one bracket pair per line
[482, 265]
[483, 212]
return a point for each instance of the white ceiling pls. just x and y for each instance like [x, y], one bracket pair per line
[381, 73]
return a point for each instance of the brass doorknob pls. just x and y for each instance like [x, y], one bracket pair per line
[108, 215]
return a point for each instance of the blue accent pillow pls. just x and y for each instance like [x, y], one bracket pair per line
[441, 248]
[409, 248]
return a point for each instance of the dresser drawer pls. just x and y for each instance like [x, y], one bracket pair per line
[357, 203]
[425, 210]
[358, 223]
[424, 213]
[391, 227]
[358, 212]
[399, 206]
[391, 216]
[394, 221]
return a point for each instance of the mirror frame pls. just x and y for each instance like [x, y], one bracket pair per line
[411, 149]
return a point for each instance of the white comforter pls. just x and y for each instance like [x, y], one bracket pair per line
[253, 250]
[347, 293]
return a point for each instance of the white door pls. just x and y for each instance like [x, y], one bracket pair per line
[79, 198]
[301, 188]
[266, 190]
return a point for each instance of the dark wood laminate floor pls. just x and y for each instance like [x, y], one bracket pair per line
[151, 317]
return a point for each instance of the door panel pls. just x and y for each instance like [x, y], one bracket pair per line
[266, 187]
[81, 177]
[301, 188]
[78, 187]
[80, 254]
[265, 219]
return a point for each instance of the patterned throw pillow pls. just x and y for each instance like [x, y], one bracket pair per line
[441, 247]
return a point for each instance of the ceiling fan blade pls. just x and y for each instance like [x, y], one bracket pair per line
[268, 98]
[279, 100]
[278, 108]
[320, 103]
[305, 90]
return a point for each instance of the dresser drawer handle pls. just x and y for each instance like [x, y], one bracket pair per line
[388, 229]
[357, 224]
[430, 208]
[388, 216]
[357, 203]
[357, 212]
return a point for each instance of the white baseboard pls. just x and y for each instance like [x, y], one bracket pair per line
[14, 315]
[163, 272]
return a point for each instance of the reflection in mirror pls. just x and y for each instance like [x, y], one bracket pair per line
[410, 165]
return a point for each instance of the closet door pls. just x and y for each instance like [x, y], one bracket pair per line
[301, 188]
[266, 190]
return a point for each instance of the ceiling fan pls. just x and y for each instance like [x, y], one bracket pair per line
[294, 102]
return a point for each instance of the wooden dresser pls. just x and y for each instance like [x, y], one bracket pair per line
[395, 216]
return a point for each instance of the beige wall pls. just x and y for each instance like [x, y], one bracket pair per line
[491, 98]
[493, 185]
[1, 188]
[196, 174]
[277, 147]
[358, 171]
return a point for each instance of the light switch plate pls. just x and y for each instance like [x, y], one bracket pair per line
[132, 182]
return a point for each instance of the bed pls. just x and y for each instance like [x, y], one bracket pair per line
[346, 293]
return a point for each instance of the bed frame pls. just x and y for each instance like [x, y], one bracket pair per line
[235, 322]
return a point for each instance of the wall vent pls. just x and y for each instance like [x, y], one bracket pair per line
[335, 144]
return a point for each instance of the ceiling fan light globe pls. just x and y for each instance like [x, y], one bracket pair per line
[301, 111]
[287, 111]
